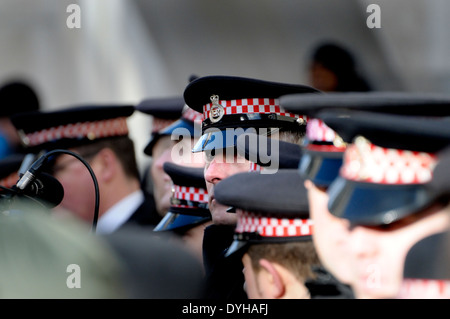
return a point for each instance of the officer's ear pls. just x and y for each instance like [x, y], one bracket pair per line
[274, 286]
[107, 164]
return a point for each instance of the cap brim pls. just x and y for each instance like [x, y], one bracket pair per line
[214, 139]
[173, 221]
[371, 204]
[237, 248]
[269, 152]
[148, 150]
[321, 168]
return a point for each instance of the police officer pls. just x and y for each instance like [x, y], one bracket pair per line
[164, 112]
[426, 270]
[381, 191]
[232, 107]
[323, 151]
[99, 135]
[288, 156]
[273, 233]
[188, 214]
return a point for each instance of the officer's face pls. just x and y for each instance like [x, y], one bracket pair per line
[167, 150]
[330, 235]
[162, 183]
[78, 186]
[219, 166]
[379, 253]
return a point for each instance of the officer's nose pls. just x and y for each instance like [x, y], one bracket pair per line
[215, 171]
[362, 242]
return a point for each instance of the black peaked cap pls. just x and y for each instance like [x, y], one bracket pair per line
[198, 92]
[281, 193]
[439, 186]
[407, 103]
[33, 122]
[285, 154]
[428, 258]
[185, 175]
[390, 131]
[185, 213]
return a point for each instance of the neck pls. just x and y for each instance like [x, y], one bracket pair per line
[113, 192]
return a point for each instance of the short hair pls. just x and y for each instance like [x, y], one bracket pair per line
[298, 257]
[294, 136]
[123, 148]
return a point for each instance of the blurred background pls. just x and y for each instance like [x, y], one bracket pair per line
[129, 50]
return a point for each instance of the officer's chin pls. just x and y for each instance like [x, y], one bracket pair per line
[220, 214]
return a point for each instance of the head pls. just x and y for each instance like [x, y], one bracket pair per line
[173, 145]
[163, 112]
[330, 234]
[279, 271]
[381, 191]
[273, 232]
[161, 183]
[320, 164]
[97, 132]
[378, 253]
[218, 167]
[114, 165]
[232, 106]
[188, 214]
[323, 153]
[426, 274]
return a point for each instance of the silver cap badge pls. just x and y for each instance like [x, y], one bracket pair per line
[217, 111]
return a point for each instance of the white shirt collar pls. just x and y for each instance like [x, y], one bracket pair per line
[119, 213]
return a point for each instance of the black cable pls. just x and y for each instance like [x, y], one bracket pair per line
[42, 160]
[6, 188]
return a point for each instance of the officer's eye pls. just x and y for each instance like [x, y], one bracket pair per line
[209, 155]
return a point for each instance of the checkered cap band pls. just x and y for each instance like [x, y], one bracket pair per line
[249, 222]
[424, 289]
[160, 124]
[324, 148]
[9, 181]
[255, 167]
[252, 105]
[192, 115]
[190, 193]
[318, 131]
[366, 162]
[90, 130]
